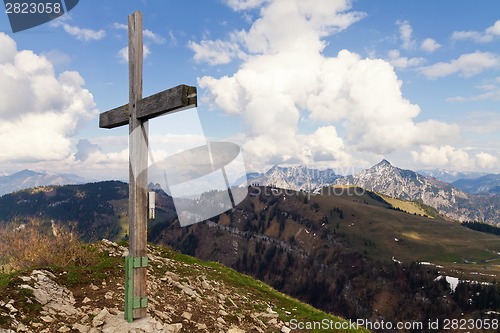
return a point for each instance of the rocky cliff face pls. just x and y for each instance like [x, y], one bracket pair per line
[409, 185]
[294, 178]
[182, 298]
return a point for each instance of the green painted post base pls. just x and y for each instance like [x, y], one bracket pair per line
[132, 303]
[129, 289]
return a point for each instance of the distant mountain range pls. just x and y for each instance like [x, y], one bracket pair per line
[470, 182]
[471, 199]
[484, 184]
[471, 196]
[28, 179]
[449, 176]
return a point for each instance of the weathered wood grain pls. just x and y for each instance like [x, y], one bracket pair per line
[138, 161]
[171, 100]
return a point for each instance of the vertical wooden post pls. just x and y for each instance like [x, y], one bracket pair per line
[138, 159]
[136, 114]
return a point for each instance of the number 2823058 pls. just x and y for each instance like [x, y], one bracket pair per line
[33, 8]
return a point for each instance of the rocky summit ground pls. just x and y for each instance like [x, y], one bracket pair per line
[184, 296]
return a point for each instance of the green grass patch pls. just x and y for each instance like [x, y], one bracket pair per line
[103, 267]
[6, 279]
[24, 299]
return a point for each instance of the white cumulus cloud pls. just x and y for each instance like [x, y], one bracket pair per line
[286, 79]
[396, 60]
[409, 43]
[486, 36]
[154, 37]
[444, 156]
[405, 33]
[450, 157]
[429, 45]
[216, 52]
[40, 112]
[467, 65]
[244, 4]
[486, 161]
[80, 33]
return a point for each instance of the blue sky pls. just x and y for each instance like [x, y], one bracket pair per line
[326, 83]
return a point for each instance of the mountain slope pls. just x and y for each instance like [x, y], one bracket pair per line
[337, 251]
[185, 295]
[89, 208]
[406, 184]
[28, 179]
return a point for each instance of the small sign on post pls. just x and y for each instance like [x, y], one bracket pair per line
[151, 197]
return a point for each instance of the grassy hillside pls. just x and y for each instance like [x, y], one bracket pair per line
[410, 237]
[94, 272]
[343, 251]
[100, 210]
[339, 251]
[411, 207]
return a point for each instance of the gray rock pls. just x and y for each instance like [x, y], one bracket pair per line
[47, 319]
[55, 299]
[285, 329]
[11, 308]
[81, 328]
[235, 330]
[173, 328]
[100, 319]
[201, 326]
[187, 315]
[22, 328]
[118, 324]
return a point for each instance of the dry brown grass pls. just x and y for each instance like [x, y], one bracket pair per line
[35, 245]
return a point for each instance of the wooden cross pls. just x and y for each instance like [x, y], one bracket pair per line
[136, 114]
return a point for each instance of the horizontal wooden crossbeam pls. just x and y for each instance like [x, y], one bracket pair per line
[171, 100]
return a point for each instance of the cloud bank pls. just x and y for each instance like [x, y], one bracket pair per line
[40, 111]
[285, 79]
[466, 65]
